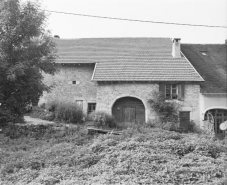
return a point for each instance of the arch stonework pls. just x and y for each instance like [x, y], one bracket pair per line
[147, 110]
[108, 94]
[215, 107]
[219, 115]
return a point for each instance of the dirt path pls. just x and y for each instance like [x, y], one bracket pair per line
[36, 121]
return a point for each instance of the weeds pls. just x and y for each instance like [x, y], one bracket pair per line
[148, 155]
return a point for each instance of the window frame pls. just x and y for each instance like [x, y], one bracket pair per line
[92, 109]
[171, 91]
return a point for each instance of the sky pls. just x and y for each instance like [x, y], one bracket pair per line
[205, 12]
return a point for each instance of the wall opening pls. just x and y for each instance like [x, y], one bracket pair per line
[218, 117]
[129, 110]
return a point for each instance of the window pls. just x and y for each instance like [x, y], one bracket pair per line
[91, 107]
[74, 82]
[171, 91]
[204, 53]
[79, 103]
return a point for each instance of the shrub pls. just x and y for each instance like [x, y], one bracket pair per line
[103, 119]
[168, 110]
[52, 105]
[38, 112]
[42, 105]
[192, 127]
[69, 113]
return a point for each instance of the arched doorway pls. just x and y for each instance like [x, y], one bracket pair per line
[129, 110]
[218, 117]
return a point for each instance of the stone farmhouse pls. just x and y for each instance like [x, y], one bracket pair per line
[210, 60]
[119, 76]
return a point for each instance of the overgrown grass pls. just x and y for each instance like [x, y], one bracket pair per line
[141, 155]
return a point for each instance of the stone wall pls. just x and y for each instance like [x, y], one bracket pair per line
[105, 94]
[108, 93]
[64, 90]
[191, 101]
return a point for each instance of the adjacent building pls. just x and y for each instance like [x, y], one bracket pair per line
[210, 60]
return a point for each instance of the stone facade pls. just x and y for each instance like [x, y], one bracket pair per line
[108, 93]
[105, 94]
[191, 101]
[64, 90]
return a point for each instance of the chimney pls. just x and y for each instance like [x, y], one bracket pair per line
[176, 48]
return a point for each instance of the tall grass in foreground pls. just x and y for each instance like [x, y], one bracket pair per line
[69, 156]
[68, 112]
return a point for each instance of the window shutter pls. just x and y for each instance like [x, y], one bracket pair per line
[180, 91]
[162, 89]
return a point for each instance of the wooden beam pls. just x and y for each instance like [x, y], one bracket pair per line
[92, 130]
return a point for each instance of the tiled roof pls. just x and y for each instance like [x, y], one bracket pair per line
[210, 61]
[128, 59]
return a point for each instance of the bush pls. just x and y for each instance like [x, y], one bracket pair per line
[59, 111]
[52, 105]
[168, 110]
[192, 127]
[69, 113]
[103, 119]
[38, 112]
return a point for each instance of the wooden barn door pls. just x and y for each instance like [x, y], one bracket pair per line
[129, 114]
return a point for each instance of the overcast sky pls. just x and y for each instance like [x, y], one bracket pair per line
[205, 12]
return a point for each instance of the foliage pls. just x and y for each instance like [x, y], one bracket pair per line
[167, 110]
[68, 112]
[52, 105]
[41, 113]
[103, 119]
[26, 52]
[141, 156]
[59, 111]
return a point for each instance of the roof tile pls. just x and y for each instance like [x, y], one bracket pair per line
[128, 59]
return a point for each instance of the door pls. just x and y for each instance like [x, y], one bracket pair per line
[219, 116]
[91, 111]
[184, 119]
[129, 114]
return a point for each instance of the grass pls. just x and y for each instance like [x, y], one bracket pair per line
[68, 156]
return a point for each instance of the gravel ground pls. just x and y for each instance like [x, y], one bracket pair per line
[36, 121]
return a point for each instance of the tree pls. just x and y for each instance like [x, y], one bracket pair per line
[26, 52]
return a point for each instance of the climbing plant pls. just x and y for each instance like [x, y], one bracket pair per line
[168, 110]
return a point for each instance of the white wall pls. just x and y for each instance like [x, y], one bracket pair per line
[211, 101]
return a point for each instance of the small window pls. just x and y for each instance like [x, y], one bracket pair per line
[204, 53]
[171, 91]
[74, 82]
[79, 103]
[91, 107]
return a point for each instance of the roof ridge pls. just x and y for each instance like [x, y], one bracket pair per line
[112, 38]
